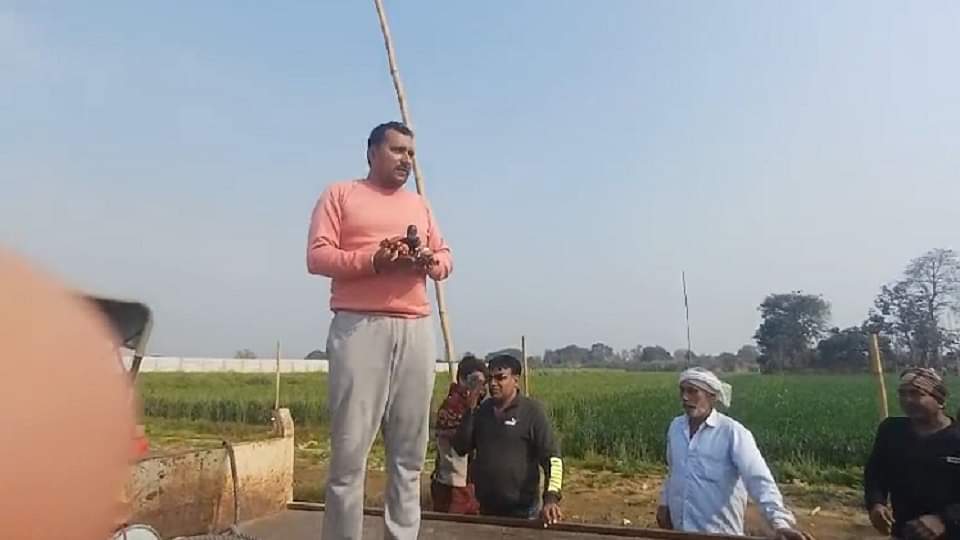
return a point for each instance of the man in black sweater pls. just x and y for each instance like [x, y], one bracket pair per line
[915, 463]
[513, 440]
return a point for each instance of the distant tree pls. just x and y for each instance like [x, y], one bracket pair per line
[680, 355]
[633, 355]
[791, 324]
[727, 361]
[952, 358]
[748, 355]
[912, 310]
[316, 354]
[708, 361]
[844, 350]
[569, 356]
[655, 353]
[245, 353]
[601, 353]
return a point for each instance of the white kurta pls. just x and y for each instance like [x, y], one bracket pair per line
[711, 475]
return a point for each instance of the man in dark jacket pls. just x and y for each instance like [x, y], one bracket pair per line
[513, 439]
[915, 463]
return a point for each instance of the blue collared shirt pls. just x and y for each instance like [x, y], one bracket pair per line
[711, 474]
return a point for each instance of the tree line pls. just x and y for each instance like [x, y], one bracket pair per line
[911, 316]
[639, 358]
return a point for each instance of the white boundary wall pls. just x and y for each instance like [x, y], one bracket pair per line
[183, 364]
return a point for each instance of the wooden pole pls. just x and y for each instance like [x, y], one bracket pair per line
[276, 402]
[878, 371]
[418, 176]
[526, 368]
[686, 309]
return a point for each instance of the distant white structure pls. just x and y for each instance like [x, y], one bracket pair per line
[183, 364]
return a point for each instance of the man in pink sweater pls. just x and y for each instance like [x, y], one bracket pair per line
[381, 344]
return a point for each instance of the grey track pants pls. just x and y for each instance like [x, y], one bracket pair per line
[380, 376]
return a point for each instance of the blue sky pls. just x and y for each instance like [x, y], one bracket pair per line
[579, 157]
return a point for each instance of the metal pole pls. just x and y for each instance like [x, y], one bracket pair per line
[418, 176]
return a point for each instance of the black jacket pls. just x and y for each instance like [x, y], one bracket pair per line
[920, 475]
[509, 451]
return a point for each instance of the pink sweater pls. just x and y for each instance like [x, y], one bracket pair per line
[348, 223]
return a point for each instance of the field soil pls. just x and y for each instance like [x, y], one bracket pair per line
[631, 500]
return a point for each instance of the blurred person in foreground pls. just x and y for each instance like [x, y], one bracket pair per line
[451, 486]
[513, 440]
[714, 463]
[68, 421]
[915, 464]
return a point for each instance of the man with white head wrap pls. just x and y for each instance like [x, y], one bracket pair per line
[714, 463]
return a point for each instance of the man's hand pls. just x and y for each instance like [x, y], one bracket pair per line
[881, 518]
[473, 396]
[394, 255]
[792, 534]
[445, 433]
[551, 514]
[663, 517]
[387, 253]
[425, 258]
[926, 527]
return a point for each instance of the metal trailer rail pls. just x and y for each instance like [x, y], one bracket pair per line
[304, 520]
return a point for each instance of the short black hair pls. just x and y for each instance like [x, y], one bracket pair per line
[379, 133]
[505, 361]
[470, 364]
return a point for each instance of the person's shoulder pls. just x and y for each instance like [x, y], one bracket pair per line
[894, 424]
[453, 394]
[731, 424]
[533, 405]
[895, 421]
[342, 186]
[677, 421]
[953, 430]
[334, 194]
[455, 388]
[485, 407]
[413, 194]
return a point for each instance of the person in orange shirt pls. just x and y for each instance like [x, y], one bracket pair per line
[378, 242]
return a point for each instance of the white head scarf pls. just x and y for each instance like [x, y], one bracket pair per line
[706, 380]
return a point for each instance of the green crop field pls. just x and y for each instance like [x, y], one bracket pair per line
[810, 427]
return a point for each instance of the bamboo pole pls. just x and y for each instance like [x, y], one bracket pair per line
[418, 176]
[276, 402]
[686, 309]
[878, 371]
[526, 368]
